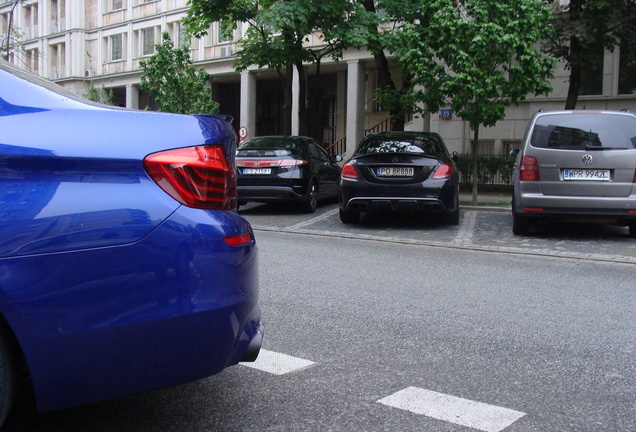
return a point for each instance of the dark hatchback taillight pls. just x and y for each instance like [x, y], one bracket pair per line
[198, 177]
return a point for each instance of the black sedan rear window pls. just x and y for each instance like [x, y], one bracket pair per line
[265, 147]
[423, 145]
[584, 132]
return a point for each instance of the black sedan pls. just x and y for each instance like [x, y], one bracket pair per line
[400, 172]
[286, 169]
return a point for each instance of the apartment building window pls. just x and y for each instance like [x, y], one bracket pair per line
[509, 146]
[57, 55]
[221, 37]
[57, 15]
[148, 41]
[30, 18]
[116, 4]
[180, 35]
[116, 47]
[486, 147]
[4, 23]
[31, 59]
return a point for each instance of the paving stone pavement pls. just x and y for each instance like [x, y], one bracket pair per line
[480, 228]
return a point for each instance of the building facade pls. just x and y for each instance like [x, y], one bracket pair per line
[83, 43]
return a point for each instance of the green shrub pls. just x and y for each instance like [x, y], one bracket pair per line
[491, 169]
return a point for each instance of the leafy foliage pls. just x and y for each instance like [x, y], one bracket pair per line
[477, 56]
[174, 82]
[99, 94]
[586, 28]
[277, 36]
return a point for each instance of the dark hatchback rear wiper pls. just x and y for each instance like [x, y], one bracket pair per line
[593, 147]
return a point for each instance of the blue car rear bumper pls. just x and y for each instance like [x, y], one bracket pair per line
[178, 305]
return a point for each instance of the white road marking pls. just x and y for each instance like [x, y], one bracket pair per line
[277, 363]
[307, 222]
[477, 415]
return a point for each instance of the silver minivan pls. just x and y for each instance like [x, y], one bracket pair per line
[576, 165]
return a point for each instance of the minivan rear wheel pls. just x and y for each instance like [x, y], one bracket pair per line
[632, 229]
[520, 224]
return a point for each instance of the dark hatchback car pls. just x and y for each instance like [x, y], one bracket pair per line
[124, 267]
[400, 172]
[286, 169]
[576, 165]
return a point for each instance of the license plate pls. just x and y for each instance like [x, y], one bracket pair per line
[586, 174]
[395, 172]
[257, 171]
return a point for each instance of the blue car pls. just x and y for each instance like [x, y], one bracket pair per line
[124, 266]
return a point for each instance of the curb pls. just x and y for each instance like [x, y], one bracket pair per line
[498, 209]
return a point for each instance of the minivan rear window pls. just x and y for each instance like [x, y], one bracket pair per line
[584, 132]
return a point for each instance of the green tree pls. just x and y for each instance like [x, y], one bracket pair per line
[173, 81]
[584, 29]
[99, 94]
[276, 36]
[478, 57]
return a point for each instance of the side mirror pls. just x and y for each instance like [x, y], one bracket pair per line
[513, 153]
[455, 156]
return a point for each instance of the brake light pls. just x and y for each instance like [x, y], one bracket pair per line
[199, 177]
[529, 170]
[635, 176]
[238, 240]
[349, 172]
[292, 162]
[444, 171]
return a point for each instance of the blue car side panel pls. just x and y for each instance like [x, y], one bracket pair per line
[101, 323]
[57, 204]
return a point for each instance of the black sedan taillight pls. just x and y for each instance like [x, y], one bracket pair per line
[199, 177]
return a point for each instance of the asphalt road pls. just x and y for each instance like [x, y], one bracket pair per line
[408, 325]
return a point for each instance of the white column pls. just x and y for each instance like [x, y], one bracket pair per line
[355, 103]
[248, 103]
[132, 96]
[295, 118]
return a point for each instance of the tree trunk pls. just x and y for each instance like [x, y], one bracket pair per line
[287, 100]
[385, 80]
[474, 148]
[575, 74]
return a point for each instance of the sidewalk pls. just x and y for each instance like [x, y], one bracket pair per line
[486, 200]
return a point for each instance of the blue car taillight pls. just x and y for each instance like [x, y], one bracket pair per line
[199, 177]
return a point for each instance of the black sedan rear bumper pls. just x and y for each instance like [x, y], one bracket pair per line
[402, 205]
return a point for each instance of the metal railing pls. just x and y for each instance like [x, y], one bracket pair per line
[339, 146]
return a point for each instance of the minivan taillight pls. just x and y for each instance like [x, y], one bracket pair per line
[349, 172]
[529, 170]
[444, 171]
[199, 177]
